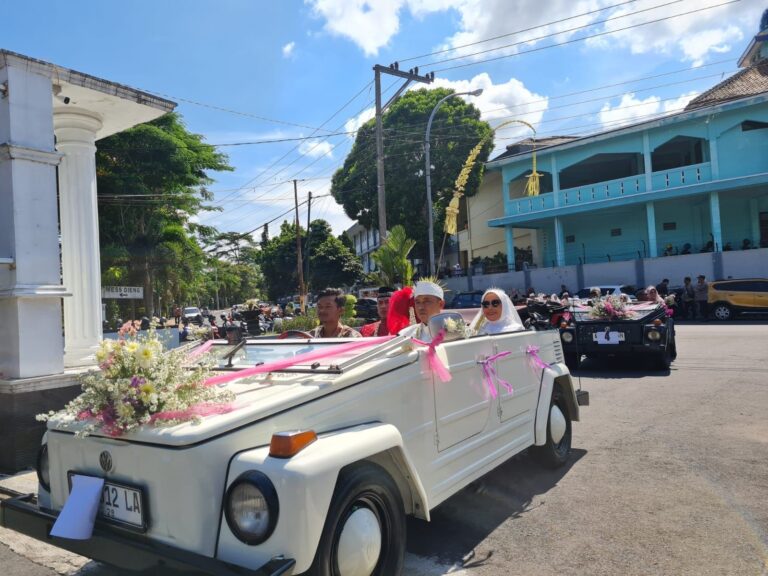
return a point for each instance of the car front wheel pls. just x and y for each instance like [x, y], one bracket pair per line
[364, 532]
[722, 312]
[557, 449]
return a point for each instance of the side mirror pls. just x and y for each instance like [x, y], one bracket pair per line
[452, 323]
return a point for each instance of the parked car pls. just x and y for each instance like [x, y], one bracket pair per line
[193, 314]
[472, 299]
[609, 290]
[730, 298]
[321, 460]
[648, 332]
[366, 308]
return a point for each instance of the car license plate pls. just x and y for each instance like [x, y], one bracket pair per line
[122, 504]
[608, 337]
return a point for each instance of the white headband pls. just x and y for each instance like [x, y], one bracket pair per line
[424, 288]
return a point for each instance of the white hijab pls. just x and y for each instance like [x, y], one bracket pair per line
[508, 322]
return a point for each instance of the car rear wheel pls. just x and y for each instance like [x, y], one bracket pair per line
[722, 312]
[557, 449]
[364, 532]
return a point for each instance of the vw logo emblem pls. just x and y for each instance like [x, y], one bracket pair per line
[105, 460]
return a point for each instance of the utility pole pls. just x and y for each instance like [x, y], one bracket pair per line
[299, 266]
[309, 237]
[394, 70]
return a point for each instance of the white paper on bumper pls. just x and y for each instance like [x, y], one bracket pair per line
[79, 512]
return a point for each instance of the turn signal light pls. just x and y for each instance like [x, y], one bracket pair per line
[657, 322]
[288, 444]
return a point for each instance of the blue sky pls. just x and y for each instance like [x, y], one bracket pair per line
[278, 69]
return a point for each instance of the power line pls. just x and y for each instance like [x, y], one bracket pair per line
[565, 42]
[454, 48]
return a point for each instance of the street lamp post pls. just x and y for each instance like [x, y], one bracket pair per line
[428, 170]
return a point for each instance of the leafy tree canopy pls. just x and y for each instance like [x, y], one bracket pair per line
[151, 180]
[456, 129]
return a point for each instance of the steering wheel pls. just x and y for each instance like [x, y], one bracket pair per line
[294, 334]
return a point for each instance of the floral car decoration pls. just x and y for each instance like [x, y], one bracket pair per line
[138, 383]
[611, 308]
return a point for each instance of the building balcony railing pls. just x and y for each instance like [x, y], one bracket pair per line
[612, 189]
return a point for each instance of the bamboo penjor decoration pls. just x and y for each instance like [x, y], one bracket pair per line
[452, 210]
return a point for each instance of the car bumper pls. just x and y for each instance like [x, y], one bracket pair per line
[625, 349]
[22, 514]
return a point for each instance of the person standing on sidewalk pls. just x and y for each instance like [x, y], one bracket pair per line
[688, 306]
[700, 297]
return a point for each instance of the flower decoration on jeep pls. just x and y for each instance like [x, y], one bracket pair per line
[610, 308]
[457, 326]
[138, 383]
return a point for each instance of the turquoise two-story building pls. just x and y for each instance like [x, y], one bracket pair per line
[696, 181]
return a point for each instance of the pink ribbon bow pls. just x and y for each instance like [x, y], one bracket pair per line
[489, 373]
[533, 352]
[435, 363]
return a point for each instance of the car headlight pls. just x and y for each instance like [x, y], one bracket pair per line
[43, 469]
[567, 337]
[654, 335]
[251, 507]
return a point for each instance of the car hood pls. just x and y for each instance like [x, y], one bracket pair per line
[256, 398]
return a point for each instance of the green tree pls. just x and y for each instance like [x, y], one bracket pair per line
[151, 181]
[456, 129]
[330, 262]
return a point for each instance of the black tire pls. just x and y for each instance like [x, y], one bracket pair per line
[551, 454]
[722, 312]
[572, 360]
[664, 360]
[364, 485]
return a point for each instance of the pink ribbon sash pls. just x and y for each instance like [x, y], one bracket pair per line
[200, 350]
[533, 352]
[435, 364]
[489, 373]
[324, 352]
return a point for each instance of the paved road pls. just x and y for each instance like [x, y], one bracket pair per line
[669, 476]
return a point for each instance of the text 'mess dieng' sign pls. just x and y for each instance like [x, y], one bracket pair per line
[130, 292]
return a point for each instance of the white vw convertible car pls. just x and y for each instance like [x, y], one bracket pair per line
[320, 462]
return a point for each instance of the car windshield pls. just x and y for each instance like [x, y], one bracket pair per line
[636, 311]
[191, 310]
[258, 352]
[585, 292]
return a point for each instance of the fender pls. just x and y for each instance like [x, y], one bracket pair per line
[305, 485]
[555, 374]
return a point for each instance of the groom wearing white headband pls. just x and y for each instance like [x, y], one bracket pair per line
[428, 301]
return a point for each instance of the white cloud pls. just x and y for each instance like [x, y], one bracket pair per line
[316, 148]
[372, 23]
[677, 104]
[354, 124]
[288, 49]
[629, 110]
[368, 23]
[500, 103]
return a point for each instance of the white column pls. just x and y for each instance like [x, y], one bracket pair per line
[650, 217]
[78, 214]
[559, 242]
[30, 286]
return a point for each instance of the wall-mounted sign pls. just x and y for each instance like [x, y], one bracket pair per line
[123, 292]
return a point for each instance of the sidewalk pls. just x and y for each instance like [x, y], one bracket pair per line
[20, 555]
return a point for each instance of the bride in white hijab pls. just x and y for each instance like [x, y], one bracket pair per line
[497, 314]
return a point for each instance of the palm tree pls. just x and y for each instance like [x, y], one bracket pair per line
[392, 257]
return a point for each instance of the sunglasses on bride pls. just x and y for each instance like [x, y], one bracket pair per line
[495, 303]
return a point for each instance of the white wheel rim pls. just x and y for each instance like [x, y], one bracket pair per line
[359, 544]
[557, 424]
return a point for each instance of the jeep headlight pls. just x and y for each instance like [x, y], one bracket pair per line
[567, 337]
[654, 335]
[251, 507]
